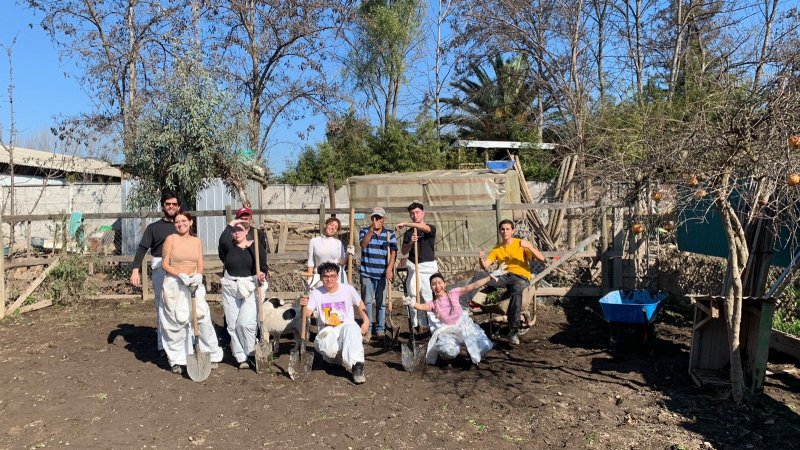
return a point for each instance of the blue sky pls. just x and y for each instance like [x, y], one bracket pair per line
[45, 91]
[42, 89]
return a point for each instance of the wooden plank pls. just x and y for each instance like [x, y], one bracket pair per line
[115, 297]
[286, 296]
[2, 271]
[548, 254]
[305, 211]
[32, 287]
[785, 343]
[282, 239]
[271, 244]
[28, 262]
[566, 256]
[574, 291]
[35, 306]
[760, 354]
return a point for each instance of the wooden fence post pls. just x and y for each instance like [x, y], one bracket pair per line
[602, 254]
[321, 217]
[331, 194]
[228, 214]
[498, 217]
[143, 275]
[2, 271]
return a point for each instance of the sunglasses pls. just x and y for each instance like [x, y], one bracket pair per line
[171, 203]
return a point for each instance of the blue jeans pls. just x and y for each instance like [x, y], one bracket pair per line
[372, 292]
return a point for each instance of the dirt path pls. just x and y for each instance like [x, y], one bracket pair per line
[89, 378]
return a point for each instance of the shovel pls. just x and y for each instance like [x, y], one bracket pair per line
[300, 363]
[198, 364]
[394, 332]
[263, 350]
[412, 355]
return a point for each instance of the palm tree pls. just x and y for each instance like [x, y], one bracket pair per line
[499, 108]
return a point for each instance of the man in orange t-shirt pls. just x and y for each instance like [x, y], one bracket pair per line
[517, 255]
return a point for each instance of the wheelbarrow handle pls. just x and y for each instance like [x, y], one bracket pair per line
[596, 314]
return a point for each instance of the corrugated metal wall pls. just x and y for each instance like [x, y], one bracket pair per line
[214, 197]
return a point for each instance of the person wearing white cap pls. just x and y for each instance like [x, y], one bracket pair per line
[378, 252]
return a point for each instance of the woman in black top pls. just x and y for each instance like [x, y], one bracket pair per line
[239, 289]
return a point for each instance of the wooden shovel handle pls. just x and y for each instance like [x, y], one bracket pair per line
[259, 298]
[388, 283]
[195, 333]
[352, 237]
[303, 323]
[416, 267]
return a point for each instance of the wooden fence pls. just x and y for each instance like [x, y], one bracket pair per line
[576, 216]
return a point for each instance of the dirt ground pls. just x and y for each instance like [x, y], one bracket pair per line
[88, 376]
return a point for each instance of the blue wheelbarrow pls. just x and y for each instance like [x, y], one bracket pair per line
[631, 315]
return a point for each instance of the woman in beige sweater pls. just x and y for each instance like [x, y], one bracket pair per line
[183, 263]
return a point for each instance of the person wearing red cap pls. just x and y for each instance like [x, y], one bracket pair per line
[244, 218]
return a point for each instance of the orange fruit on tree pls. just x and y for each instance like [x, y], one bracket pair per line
[793, 179]
[693, 181]
[794, 141]
[657, 196]
[637, 228]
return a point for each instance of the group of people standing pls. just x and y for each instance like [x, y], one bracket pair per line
[178, 275]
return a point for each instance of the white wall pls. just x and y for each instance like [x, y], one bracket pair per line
[64, 199]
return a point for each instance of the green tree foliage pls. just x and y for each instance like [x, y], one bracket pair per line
[184, 141]
[385, 36]
[353, 147]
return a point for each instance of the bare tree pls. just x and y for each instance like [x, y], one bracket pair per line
[443, 11]
[118, 46]
[274, 54]
[12, 134]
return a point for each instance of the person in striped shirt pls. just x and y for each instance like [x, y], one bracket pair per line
[378, 252]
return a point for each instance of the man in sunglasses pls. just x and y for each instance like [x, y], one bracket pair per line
[152, 240]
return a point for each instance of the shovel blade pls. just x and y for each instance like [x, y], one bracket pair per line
[263, 356]
[300, 363]
[198, 365]
[306, 362]
[412, 357]
[294, 364]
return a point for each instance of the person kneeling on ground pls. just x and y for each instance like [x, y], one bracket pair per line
[457, 327]
[340, 338]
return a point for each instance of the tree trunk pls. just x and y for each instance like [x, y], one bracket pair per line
[733, 290]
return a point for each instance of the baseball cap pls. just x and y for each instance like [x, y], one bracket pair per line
[242, 211]
[378, 211]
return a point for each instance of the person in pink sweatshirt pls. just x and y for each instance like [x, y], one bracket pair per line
[457, 327]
